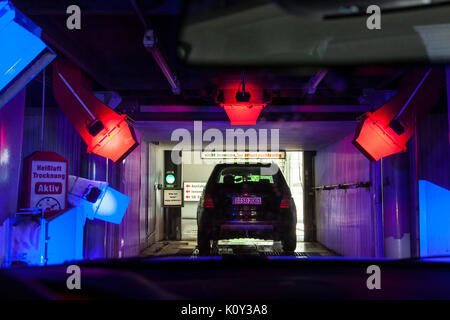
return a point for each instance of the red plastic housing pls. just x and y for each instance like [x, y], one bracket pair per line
[243, 113]
[117, 139]
[375, 138]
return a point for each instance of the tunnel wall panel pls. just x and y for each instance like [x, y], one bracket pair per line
[434, 150]
[130, 185]
[59, 136]
[11, 124]
[94, 167]
[102, 239]
[434, 185]
[344, 218]
[434, 219]
[146, 217]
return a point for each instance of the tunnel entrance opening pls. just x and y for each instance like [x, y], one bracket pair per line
[294, 139]
[195, 177]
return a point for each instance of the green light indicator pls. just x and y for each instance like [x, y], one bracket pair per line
[170, 179]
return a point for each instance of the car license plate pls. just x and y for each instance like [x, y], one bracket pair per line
[247, 200]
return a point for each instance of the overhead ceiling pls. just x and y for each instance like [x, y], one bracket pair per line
[293, 136]
[109, 49]
[109, 44]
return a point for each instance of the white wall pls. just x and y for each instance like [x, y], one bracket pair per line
[191, 172]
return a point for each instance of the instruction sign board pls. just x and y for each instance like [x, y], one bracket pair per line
[193, 190]
[45, 180]
[173, 197]
[243, 155]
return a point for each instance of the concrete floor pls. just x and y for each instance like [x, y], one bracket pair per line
[234, 246]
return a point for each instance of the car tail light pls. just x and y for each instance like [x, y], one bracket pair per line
[208, 201]
[285, 202]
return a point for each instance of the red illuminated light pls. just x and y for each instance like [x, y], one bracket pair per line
[117, 139]
[115, 143]
[376, 140]
[243, 113]
[374, 136]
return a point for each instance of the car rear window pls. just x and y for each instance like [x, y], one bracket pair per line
[238, 175]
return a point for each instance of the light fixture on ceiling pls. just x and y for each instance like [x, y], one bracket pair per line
[243, 105]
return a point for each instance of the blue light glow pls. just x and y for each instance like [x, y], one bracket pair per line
[287, 257]
[434, 219]
[64, 237]
[113, 206]
[20, 45]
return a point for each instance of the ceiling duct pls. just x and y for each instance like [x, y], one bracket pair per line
[151, 44]
[387, 130]
[105, 132]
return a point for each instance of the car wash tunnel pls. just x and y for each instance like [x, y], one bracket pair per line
[125, 133]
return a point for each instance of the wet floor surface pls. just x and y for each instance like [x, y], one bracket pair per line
[234, 247]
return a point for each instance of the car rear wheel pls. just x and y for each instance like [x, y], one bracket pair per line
[289, 242]
[204, 245]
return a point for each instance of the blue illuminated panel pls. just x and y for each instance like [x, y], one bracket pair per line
[113, 206]
[20, 46]
[64, 237]
[434, 215]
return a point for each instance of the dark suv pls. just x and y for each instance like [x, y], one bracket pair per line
[240, 201]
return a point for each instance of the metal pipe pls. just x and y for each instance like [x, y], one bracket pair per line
[413, 94]
[139, 13]
[151, 44]
[43, 109]
[315, 80]
[363, 184]
[77, 97]
[164, 66]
